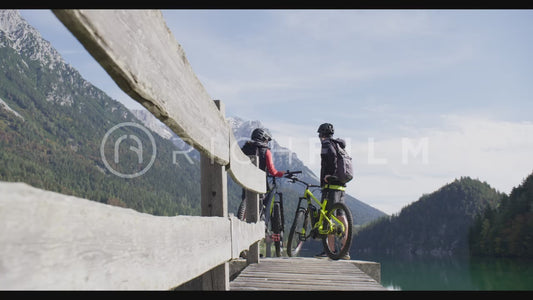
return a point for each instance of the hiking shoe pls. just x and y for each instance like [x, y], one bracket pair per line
[321, 255]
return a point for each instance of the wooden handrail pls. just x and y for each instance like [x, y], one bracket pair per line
[142, 56]
[54, 241]
[51, 241]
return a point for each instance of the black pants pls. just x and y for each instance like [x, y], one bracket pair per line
[333, 196]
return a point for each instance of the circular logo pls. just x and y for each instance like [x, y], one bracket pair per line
[135, 146]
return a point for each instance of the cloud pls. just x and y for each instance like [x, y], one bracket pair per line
[303, 54]
[493, 150]
[498, 152]
[394, 171]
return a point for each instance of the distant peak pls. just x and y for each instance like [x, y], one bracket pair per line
[17, 33]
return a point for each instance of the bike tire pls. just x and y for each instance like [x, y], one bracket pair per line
[340, 248]
[299, 232]
[277, 227]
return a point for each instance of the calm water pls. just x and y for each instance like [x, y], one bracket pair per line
[446, 274]
[477, 274]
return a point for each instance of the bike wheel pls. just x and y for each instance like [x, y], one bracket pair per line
[299, 232]
[342, 240]
[277, 227]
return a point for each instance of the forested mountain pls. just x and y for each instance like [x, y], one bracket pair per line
[53, 129]
[508, 229]
[437, 224]
[52, 123]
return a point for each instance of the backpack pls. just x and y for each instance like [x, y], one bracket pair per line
[255, 148]
[344, 170]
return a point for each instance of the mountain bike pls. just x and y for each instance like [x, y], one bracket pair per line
[316, 222]
[272, 214]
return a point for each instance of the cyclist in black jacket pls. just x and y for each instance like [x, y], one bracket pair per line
[332, 189]
[258, 145]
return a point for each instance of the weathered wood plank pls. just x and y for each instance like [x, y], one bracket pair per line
[142, 56]
[214, 187]
[59, 242]
[303, 274]
[214, 183]
[244, 234]
[214, 202]
[139, 52]
[243, 171]
[252, 215]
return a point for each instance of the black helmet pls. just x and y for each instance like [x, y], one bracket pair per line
[259, 134]
[325, 130]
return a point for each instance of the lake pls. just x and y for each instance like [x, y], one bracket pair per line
[445, 274]
[454, 274]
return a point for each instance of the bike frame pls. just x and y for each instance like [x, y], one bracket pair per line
[324, 225]
[308, 195]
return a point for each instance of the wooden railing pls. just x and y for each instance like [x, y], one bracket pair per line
[54, 241]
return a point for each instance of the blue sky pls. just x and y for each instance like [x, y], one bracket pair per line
[421, 96]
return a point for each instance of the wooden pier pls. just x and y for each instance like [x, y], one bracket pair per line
[52, 241]
[303, 274]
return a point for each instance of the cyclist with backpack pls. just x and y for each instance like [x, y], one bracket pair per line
[258, 145]
[335, 172]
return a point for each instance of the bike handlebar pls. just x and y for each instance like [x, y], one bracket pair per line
[290, 175]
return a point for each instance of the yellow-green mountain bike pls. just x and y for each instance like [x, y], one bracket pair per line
[312, 220]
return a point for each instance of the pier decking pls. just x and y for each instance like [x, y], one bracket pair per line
[303, 274]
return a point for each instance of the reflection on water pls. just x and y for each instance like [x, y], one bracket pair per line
[446, 274]
[456, 273]
[502, 274]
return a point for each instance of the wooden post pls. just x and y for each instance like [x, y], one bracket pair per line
[214, 203]
[214, 183]
[252, 216]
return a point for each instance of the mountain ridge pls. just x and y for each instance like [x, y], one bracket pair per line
[57, 146]
[27, 40]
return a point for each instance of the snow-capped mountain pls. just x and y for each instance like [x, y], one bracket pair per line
[26, 40]
[242, 130]
[53, 124]
[17, 34]
[153, 123]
